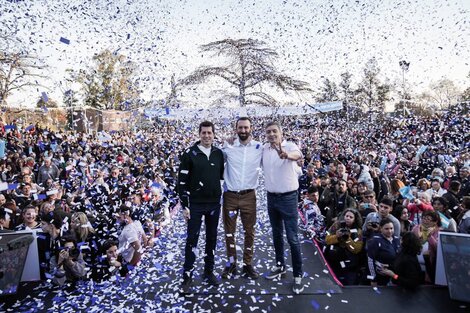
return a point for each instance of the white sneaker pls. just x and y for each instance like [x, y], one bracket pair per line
[298, 286]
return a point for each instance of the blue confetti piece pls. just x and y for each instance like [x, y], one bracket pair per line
[257, 146]
[12, 186]
[44, 97]
[315, 304]
[64, 40]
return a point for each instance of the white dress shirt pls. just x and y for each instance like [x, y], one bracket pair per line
[242, 165]
[280, 175]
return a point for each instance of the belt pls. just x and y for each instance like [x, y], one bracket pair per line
[241, 192]
[282, 193]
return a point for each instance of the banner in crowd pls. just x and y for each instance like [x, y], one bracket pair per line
[182, 113]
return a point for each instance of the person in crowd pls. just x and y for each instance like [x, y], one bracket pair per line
[452, 198]
[4, 220]
[362, 172]
[111, 263]
[441, 206]
[30, 221]
[436, 189]
[400, 212]
[381, 183]
[201, 170]
[25, 197]
[464, 176]
[243, 158]
[464, 217]
[451, 175]
[2, 199]
[428, 233]
[368, 204]
[314, 224]
[47, 171]
[417, 206]
[406, 270]
[84, 235]
[341, 172]
[395, 195]
[132, 238]
[280, 165]
[423, 184]
[336, 199]
[400, 175]
[49, 245]
[372, 222]
[69, 266]
[382, 251]
[307, 179]
[344, 245]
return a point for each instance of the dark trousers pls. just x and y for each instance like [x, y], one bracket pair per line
[211, 213]
[245, 205]
[282, 210]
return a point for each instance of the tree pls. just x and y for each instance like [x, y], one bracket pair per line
[444, 93]
[465, 96]
[109, 83]
[329, 91]
[371, 93]
[49, 103]
[250, 69]
[345, 88]
[17, 71]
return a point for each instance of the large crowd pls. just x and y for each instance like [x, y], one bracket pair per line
[101, 199]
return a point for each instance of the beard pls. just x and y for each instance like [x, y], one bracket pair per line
[243, 136]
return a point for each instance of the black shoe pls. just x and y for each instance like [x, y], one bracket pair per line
[249, 271]
[186, 284]
[229, 271]
[211, 278]
[277, 272]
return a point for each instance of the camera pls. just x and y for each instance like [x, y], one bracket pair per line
[374, 224]
[344, 231]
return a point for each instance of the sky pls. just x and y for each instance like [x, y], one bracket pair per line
[314, 39]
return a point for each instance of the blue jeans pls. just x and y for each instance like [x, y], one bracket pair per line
[211, 213]
[282, 210]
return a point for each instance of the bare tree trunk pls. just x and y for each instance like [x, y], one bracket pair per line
[241, 87]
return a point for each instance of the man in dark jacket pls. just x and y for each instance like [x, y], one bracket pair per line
[199, 189]
[336, 199]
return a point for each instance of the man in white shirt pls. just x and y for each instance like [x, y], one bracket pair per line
[131, 237]
[281, 177]
[243, 160]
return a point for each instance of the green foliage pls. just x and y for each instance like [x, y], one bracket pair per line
[109, 83]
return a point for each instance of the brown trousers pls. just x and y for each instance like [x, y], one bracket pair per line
[245, 205]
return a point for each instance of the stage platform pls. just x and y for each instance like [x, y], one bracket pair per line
[154, 286]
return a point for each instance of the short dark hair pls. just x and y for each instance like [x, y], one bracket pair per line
[454, 185]
[442, 201]
[243, 118]
[108, 244]
[385, 221]
[206, 124]
[312, 189]
[273, 123]
[410, 244]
